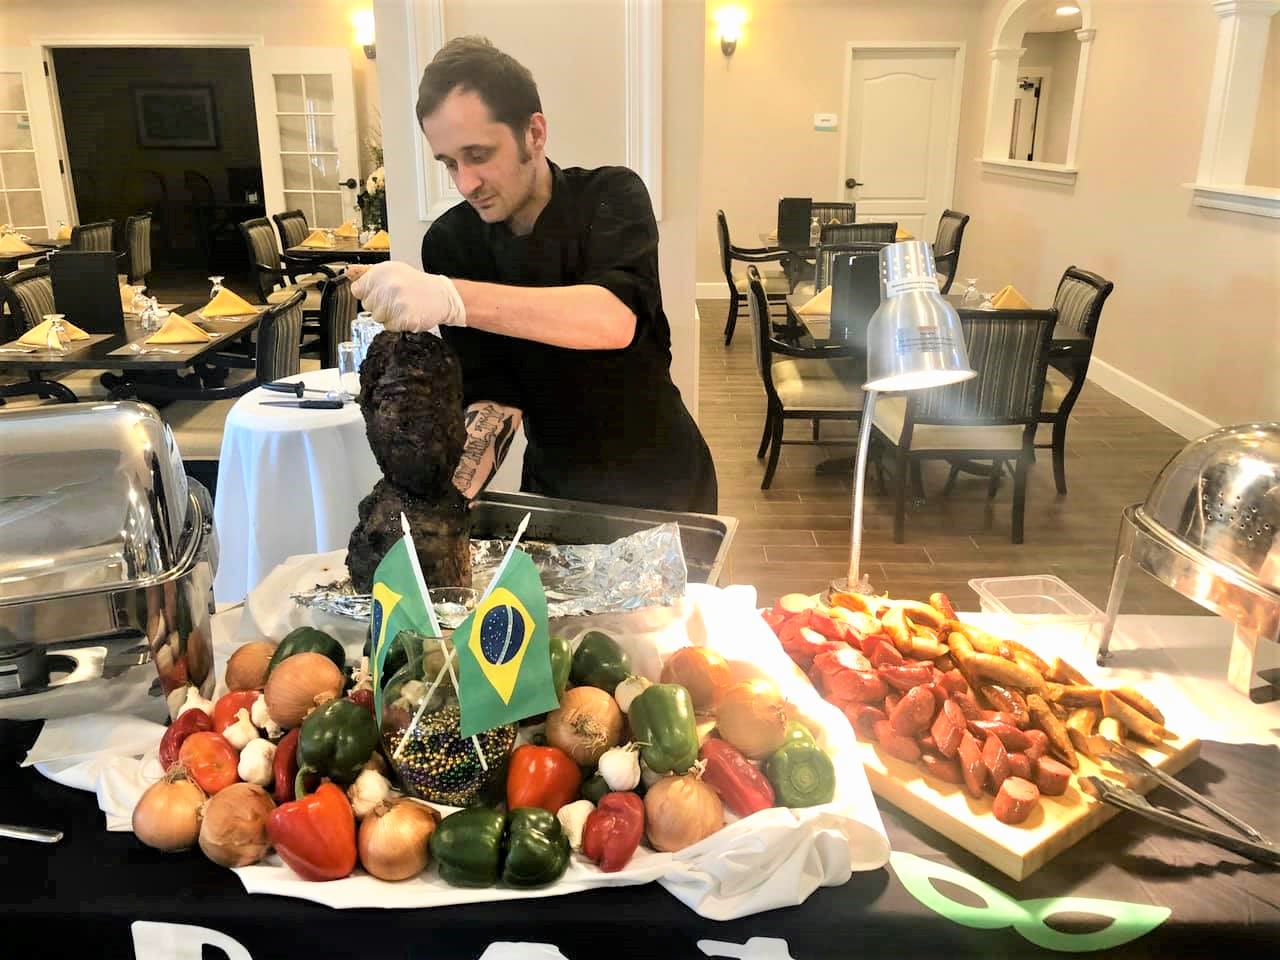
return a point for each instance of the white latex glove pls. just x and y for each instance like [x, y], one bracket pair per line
[402, 298]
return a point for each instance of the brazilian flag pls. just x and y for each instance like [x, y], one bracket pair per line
[504, 651]
[397, 605]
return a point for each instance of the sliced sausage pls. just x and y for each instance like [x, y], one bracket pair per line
[1010, 736]
[948, 728]
[863, 717]
[968, 706]
[953, 683]
[942, 768]
[907, 675]
[1020, 765]
[914, 712]
[927, 743]
[1015, 800]
[1039, 744]
[1007, 701]
[971, 766]
[894, 744]
[996, 759]
[1052, 777]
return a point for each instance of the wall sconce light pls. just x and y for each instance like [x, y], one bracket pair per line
[363, 22]
[729, 21]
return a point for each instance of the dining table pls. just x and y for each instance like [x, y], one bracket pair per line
[123, 350]
[40, 248]
[344, 249]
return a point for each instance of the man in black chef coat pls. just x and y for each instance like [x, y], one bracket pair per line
[545, 281]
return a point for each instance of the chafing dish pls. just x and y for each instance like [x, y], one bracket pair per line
[107, 555]
[1210, 529]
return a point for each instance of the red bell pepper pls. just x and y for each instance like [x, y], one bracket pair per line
[742, 787]
[545, 777]
[229, 704]
[193, 721]
[613, 831]
[284, 768]
[316, 836]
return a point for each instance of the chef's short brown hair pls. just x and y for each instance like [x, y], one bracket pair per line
[473, 63]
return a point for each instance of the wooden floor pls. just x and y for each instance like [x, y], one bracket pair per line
[795, 536]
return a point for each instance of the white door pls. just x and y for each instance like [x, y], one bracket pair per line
[306, 131]
[32, 199]
[901, 123]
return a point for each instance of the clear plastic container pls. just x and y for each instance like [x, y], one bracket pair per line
[1039, 608]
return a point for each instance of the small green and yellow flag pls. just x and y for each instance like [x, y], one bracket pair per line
[504, 651]
[397, 605]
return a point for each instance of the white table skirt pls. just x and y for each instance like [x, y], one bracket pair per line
[289, 481]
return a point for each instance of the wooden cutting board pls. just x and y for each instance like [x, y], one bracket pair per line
[1017, 851]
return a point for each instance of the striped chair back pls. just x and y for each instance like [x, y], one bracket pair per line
[293, 228]
[946, 246]
[279, 338]
[761, 328]
[137, 238]
[264, 255]
[859, 233]
[92, 236]
[1079, 299]
[1009, 349]
[28, 296]
[839, 211]
[826, 254]
[337, 310]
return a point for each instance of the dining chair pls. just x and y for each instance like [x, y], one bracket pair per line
[1078, 301]
[946, 247]
[832, 212]
[137, 237]
[292, 226]
[794, 216]
[338, 306]
[272, 276]
[859, 232]
[92, 236]
[776, 285]
[826, 254]
[990, 417]
[800, 383]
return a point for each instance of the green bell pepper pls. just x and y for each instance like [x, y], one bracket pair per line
[801, 774]
[536, 846]
[336, 740]
[662, 718]
[600, 662]
[308, 640]
[561, 663]
[798, 733]
[593, 788]
[467, 846]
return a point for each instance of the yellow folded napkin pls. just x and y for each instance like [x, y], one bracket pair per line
[904, 234]
[228, 304]
[834, 220]
[178, 329]
[379, 241]
[819, 306]
[317, 238]
[64, 233]
[348, 229]
[126, 297]
[38, 336]
[1008, 298]
[12, 243]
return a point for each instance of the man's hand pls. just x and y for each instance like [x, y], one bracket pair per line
[402, 298]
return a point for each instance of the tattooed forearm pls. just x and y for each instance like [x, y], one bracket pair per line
[490, 429]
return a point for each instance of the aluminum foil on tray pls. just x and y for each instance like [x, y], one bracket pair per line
[644, 569]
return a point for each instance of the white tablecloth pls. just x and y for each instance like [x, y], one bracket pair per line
[289, 481]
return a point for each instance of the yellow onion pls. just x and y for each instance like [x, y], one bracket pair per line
[704, 673]
[233, 826]
[753, 717]
[680, 811]
[247, 667]
[167, 816]
[298, 685]
[393, 838]
[587, 724]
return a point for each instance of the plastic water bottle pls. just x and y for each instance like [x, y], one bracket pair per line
[815, 232]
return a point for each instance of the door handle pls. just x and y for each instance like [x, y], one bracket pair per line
[349, 183]
[851, 183]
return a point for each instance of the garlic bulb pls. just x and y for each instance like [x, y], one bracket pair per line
[573, 818]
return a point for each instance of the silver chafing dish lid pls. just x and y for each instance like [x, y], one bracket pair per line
[92, 496]
[1220, 496]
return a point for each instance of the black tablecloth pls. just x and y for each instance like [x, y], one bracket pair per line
[80, 896]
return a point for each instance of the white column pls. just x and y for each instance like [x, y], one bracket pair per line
[1004, 82]
[1237, 84]
[1085, 37]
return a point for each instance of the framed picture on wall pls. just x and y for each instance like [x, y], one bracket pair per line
[176, 118]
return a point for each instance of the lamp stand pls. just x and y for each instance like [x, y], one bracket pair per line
[859, 488]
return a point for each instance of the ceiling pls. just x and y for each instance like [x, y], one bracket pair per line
[1045, 20]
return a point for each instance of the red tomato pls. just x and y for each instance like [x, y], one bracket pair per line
[229, 704]
[210, 760]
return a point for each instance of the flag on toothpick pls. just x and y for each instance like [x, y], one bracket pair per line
[504, 650]
[399, 604]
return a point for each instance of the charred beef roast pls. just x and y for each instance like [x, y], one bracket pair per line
[411, 398]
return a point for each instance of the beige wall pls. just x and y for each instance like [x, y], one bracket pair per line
[1060, 53]
[318, 23]
[1264, 157]
[758, 138]
[1196, 310]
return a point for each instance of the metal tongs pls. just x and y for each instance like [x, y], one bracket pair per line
[1129, 762]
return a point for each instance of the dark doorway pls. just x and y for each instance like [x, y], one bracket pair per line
[171, 130]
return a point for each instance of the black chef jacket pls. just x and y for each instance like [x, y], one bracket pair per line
[602, 425]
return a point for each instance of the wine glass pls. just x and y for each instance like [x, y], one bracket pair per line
[217, 286]
[971, 297]
[140, 300]
[56, 340]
